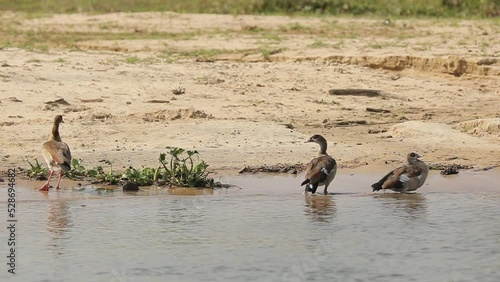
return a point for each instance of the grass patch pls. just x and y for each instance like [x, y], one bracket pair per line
[172, 54]
[33, 60]
[376, 45]
[318, 44]
[385, 8]
[295, 28]
[178, 167]
[43, 40]
[132, 60]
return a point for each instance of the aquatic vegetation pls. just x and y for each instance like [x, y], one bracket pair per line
[142, 177]
[182, 169]
[36, 170]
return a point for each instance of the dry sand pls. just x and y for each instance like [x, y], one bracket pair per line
[244, 108]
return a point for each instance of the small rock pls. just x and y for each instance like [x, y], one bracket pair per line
[450, 170]
[130, 187]
[487, 61]
[14, 99]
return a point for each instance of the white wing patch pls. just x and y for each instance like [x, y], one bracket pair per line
[404, 178]
[323, 169]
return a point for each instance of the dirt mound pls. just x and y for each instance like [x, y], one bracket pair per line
[453, 65]
[480, 127]
[434, 134]
[183, 114]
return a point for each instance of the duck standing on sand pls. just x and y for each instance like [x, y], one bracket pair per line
[56, 153]
[406, 178]
[320, 170]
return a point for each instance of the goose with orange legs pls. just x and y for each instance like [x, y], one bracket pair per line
[320, 170]
[56, 153]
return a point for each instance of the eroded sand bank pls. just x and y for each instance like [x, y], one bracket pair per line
[242, 108]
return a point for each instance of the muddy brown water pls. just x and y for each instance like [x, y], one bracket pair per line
[266, 231]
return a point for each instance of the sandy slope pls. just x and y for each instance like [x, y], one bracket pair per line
[235, 109]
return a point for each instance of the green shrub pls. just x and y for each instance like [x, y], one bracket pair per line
[180, 170]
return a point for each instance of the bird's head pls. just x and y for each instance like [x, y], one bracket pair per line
[413, 157]
[58, 119]
[316, 138]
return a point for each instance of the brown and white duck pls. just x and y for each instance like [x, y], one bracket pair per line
[320, 170]
[406, 178]
[56, 153]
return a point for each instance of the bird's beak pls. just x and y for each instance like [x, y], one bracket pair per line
[309, 140]
[419, 156]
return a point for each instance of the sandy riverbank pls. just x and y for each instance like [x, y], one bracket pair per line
[244, 107]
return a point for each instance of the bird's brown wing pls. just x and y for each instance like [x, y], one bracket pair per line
[392, 178]
[412, 171]
[400, 175]
[319, 168]
[59, 151]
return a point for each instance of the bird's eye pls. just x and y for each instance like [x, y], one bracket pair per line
[412, 155]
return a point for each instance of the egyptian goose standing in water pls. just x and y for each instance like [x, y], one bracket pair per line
[56, 153]
[406, 178]
[320, 170]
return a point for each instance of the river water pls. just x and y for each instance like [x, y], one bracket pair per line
[266, 231]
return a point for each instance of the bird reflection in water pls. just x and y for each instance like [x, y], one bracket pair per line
[58, 222]
[320, 208]
[410, 205]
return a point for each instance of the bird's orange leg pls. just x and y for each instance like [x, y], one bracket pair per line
[59, 180]
[46, 186]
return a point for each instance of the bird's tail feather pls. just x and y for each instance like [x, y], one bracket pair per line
[377, 186]
[66, 166]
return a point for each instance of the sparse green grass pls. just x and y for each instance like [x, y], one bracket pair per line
[376, 45]
[43, 40]
[385, 8]
[318, 44]
[272, 36]
[172, 54]
[266, 51]
[295, 28]
[132, 60]
[338, 45]
[108, 25]
[33, 60]
[137, 60]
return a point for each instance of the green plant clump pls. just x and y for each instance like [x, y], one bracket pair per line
[179, 170]
[36, 170]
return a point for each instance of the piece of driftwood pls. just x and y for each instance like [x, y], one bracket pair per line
[351, 122]
[98, 100]
[278, 168]
[355, 92]
[375, 110]
[58, 102]
[158, 101]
